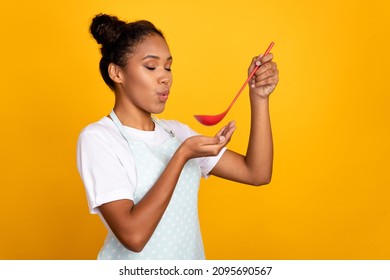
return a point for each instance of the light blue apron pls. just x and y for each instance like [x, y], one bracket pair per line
[177, 235]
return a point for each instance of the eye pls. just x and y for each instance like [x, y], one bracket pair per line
[150, 68]
[168, 69]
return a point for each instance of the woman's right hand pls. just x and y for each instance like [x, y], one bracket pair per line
[203, 146]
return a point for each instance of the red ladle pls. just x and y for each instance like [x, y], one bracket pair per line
[214, 119]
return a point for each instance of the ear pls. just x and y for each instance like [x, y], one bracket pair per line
[115, 73]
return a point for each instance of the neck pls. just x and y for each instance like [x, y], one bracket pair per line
[134, 118]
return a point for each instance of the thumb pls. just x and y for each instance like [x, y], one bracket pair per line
[255, 62]
[217, 139]
[252, 65]
[221, 138]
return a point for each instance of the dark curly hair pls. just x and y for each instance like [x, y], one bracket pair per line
[118, 39]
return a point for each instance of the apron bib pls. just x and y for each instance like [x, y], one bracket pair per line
[177, 235]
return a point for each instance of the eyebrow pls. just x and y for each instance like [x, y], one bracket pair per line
[155, 57]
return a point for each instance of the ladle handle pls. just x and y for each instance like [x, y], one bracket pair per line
[250, 76]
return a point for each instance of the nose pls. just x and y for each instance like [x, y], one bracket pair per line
[165, 78]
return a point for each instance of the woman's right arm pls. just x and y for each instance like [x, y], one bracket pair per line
[134, 224]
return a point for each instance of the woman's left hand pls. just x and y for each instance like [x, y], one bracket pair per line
[266, 77]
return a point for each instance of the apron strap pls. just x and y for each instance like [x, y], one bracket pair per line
[119, 125]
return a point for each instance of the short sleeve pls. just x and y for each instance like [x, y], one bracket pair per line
[102, 172]
[208, 163]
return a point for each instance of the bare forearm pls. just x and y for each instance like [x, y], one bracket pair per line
[259, 156]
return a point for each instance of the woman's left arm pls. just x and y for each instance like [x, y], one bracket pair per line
[255, 168]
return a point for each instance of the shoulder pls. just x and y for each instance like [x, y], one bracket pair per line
[102, 131]
[101, 142]
[104, 125]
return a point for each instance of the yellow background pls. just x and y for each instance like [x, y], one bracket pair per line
[329, 198]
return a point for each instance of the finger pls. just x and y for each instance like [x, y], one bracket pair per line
[229, 133]
[266, 82]
[217, 139]
[268, 75]
[228, 127]
[265, 67]
[266, 58]
[224, 129]
[253, 64]
[267, 78]
[231, 127]
[221, 131]
[265, 73]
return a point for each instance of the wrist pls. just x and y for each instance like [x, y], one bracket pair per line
[255, 98]
[181, 154]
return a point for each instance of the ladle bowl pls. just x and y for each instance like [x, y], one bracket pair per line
[210, 120]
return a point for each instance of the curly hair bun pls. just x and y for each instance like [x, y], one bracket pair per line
[106, 29]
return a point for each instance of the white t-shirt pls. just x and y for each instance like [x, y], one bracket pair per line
[106, 164]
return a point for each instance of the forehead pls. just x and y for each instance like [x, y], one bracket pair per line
[153, 45]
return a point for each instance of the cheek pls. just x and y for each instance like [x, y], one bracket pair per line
[138, 81]
[145, 80]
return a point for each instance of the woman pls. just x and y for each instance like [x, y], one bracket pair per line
[142, 174]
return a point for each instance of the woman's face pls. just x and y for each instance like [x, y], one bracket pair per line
[147, 77]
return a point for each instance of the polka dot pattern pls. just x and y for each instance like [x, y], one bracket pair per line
[177, 236]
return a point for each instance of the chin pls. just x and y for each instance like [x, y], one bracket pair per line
[158, 110]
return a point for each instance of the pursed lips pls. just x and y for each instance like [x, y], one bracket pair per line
[163, 95]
